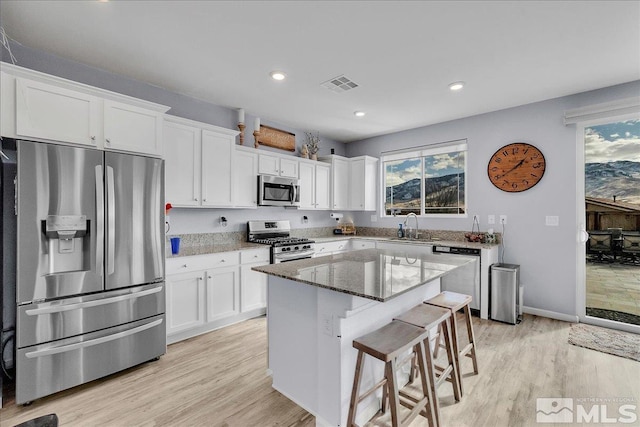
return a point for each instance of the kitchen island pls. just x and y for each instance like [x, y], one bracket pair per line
[317, 307]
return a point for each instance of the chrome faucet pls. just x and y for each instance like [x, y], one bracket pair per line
[416, 234]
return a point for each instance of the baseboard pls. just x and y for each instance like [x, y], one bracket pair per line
[550, 314]
[212, 326]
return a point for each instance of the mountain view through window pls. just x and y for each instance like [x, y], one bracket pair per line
[430, 184]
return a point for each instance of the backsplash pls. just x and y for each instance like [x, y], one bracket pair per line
[192, 242]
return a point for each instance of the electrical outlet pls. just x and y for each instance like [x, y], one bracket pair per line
[503, 219]
[551, 220]
[374, 218]
[491, 219]
[476, 218]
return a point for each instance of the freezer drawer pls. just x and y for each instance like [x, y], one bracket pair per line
[54, 320]
[52, 367]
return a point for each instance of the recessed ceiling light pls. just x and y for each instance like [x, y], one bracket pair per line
[455, 86]
[359, 113]
[278, 75]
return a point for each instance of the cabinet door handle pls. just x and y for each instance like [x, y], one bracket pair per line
[221, 260]
[108, 140]
[195, 198]
[93, 138]
[204, 200]
[209, 277]
[199, 278]
[184, 265]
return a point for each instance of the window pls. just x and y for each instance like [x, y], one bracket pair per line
[426, 181]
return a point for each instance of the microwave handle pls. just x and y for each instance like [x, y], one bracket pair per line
[294, 191]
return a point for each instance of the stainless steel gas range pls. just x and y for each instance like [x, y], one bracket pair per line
[277, 234]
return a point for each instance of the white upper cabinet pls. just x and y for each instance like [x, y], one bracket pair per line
[315, 185]
[46, 108]
[323, 186]
[353, 182]
[217, 158]
[49, 112]
[307, 185]
[278, 166]
[340, 184]
[130, 128]
[245, 178]
[182, 151]
[363, 182]
[198, 164]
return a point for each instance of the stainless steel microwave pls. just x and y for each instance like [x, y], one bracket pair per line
[278, 191]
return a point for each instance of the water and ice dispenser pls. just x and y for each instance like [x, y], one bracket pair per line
[66, 235]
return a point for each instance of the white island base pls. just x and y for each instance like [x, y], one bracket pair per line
[311, 356]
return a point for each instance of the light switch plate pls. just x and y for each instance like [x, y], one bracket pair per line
[491, 219]
[503, 219]
[552, 220]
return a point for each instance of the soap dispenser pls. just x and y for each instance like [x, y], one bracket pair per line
[400, 231]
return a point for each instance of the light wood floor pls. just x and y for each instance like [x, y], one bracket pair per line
[219, 379]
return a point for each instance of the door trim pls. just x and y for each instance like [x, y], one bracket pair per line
[581, 248]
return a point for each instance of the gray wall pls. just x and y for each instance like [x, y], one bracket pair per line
[182, 220]
[181, 105]
[546, 254]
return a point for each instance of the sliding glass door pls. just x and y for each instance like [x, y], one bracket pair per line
[611, 223]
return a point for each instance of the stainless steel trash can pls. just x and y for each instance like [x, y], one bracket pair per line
[505, 293]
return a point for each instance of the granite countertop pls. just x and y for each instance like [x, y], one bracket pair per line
[456, 243]
[377, 274]
[215, 248]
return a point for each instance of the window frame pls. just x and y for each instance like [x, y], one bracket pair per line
[421, 152]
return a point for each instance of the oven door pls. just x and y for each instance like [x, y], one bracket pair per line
[276, 191]
[280, 258]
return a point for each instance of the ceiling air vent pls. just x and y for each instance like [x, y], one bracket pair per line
[339, 84]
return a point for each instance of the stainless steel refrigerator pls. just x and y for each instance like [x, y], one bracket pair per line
[90, 265]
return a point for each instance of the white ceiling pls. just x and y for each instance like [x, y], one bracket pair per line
[402, 54]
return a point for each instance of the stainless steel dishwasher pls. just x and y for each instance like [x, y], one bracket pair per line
[466, 279]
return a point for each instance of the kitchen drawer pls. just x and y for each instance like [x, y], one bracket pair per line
[254, 256]
[363, 244]
[201, 262]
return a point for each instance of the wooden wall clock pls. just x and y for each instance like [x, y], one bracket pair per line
[516, 167]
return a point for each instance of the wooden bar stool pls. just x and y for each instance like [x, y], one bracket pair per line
[454, 302]
[386, 344]
[429, 317]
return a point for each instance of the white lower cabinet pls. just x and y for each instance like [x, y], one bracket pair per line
[206, 292]
[359, 244]
[332, 247]
[223, 293]
[253, 285]
[185, 301]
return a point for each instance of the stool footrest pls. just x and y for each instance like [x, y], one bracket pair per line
[465, 351]
[412, 404]
[366, 394]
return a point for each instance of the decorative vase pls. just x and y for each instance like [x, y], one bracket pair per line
[314, 156]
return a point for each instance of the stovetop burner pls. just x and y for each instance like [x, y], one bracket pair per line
[274, 233]
[282, 241]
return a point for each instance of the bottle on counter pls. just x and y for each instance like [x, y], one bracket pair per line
[400, 231]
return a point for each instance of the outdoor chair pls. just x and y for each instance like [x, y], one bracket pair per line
[599, 246]
[631, 247]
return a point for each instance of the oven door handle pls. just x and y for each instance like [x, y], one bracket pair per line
[296, 255]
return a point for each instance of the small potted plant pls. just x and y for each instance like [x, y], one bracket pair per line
[312, 144]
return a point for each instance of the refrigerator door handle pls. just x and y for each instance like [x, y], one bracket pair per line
[99, 220]
[111, 225]
[81, 305]
[84, 344]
